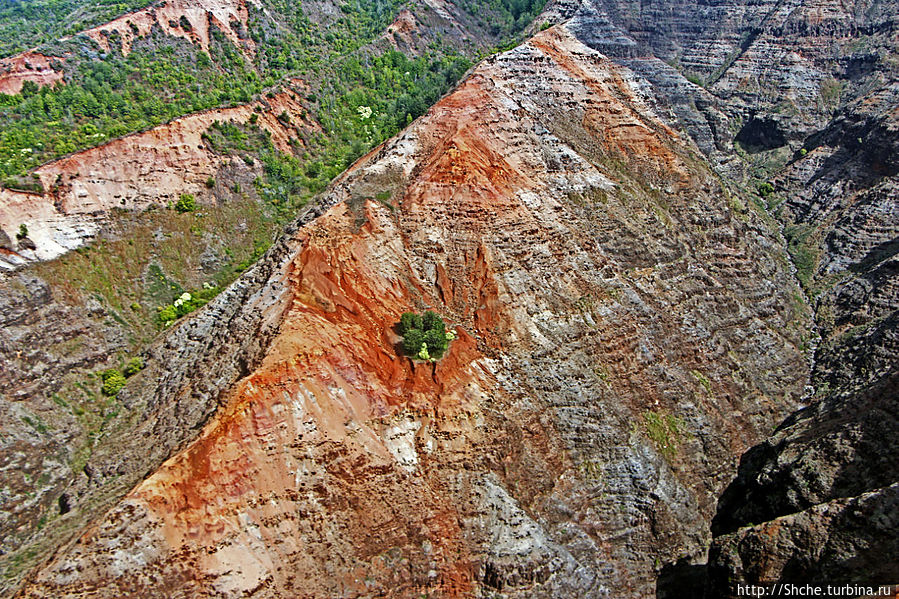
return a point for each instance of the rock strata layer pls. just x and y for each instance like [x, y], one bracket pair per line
[625, 329]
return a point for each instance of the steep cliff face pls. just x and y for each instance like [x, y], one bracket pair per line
[27, 66]
[816, 503]
[625, 329]
[190, 19]
[67, 457]
[134, 172]
[805, 92]
[824, 486]
[773, 72]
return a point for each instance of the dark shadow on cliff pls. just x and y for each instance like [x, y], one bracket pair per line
[682, 580]
[877, 256]
[761, 134]
[861, 540]
[842, 446]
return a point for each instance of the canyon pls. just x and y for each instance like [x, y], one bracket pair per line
[667, 378]
[534, 441]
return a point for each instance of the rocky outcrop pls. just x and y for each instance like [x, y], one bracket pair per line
[776, 72]
[153, 167]
[69, 464]
[188, 19]
[625, 329]
[844, 542]
[28, 66]
[837, 448]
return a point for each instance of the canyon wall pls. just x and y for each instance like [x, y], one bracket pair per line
[817, 501]
[626, 328]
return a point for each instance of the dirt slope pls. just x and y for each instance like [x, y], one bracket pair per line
[188, 19]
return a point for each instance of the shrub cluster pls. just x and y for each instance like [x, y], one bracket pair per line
[186, 203]
[114, 380]
[424, 336]
[186, 303]
[765, 189]
[134, 366]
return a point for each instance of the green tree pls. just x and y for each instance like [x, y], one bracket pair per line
[113, 381]
[424, 336]
[430, 321]
[29, 89]
[410, 321]
[134, 366]
[186, 203]
[765, 189]
[412, 341]
[436, 341]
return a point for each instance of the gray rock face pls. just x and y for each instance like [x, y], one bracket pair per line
[782, 67]
[832, 466]
[838, 448]
[807, 91]
[40, 340]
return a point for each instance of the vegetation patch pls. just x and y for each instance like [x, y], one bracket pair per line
[830, 91]
[666, 431]
[802, 249]
[113, 381]
[185, 304]
[36, 423]
[154, 257]
[186, 203]
[702, 380]
[424, 336]
[134, 366]
[591, 471]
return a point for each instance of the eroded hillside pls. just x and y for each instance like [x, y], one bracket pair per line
[626, 328]
[631, 260]
[804, 93]
[183, 207]
[153, 168]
